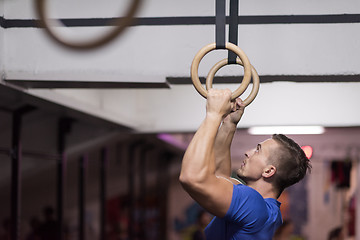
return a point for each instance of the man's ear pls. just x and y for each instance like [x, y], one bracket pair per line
[269, 171]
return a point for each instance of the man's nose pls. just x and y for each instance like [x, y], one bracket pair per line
[249, 153]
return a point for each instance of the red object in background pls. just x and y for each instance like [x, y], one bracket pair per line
[308, 151]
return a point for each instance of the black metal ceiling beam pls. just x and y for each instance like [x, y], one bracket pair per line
[24, 83]
[192, 20]
[273, 78]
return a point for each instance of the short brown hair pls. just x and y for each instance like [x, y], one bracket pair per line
[291, 163]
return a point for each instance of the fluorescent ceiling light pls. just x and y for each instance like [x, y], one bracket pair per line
[286, 130]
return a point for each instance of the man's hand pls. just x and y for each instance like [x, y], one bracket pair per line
[236, 113]
[219, 102]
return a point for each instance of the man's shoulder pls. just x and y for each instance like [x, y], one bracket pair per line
[243, 194]
[247, 189]
[272, 203]
[248, 208]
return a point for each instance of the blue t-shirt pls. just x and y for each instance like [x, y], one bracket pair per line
[250, 217]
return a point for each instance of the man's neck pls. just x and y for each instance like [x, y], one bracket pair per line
[264, 188]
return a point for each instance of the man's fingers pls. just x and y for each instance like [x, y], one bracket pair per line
[219, 100]
[234, 106]
[239, 105]
[239, 101]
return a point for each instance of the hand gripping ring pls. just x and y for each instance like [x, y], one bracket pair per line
[119, 25]
[208, 48]
[254, 74]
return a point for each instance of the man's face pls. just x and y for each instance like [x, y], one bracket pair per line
[256, 161]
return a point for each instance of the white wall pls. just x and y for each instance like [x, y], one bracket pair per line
[181, 108]
[273, 49]
[186, 8]
[1, 40]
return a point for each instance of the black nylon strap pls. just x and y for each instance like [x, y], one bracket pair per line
[233, 29]
[220, 24]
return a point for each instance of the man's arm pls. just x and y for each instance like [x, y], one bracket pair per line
[224, 139]
[198, 166]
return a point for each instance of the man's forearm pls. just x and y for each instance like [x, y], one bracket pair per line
[222, 149]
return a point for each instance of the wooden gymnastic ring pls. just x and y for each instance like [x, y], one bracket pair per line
[208, 48]
[119, 26]
[254, 75]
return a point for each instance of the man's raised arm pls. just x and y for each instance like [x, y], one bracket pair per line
[198, 166]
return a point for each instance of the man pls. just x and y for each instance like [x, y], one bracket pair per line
[248, 211]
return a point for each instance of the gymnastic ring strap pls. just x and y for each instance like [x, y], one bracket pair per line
[233, 28]
[220, 24]
[119, 26]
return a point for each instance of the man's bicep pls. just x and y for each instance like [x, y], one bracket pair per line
[214, 195]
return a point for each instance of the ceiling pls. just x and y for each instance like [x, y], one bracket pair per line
[306, 56]
[39, 133]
